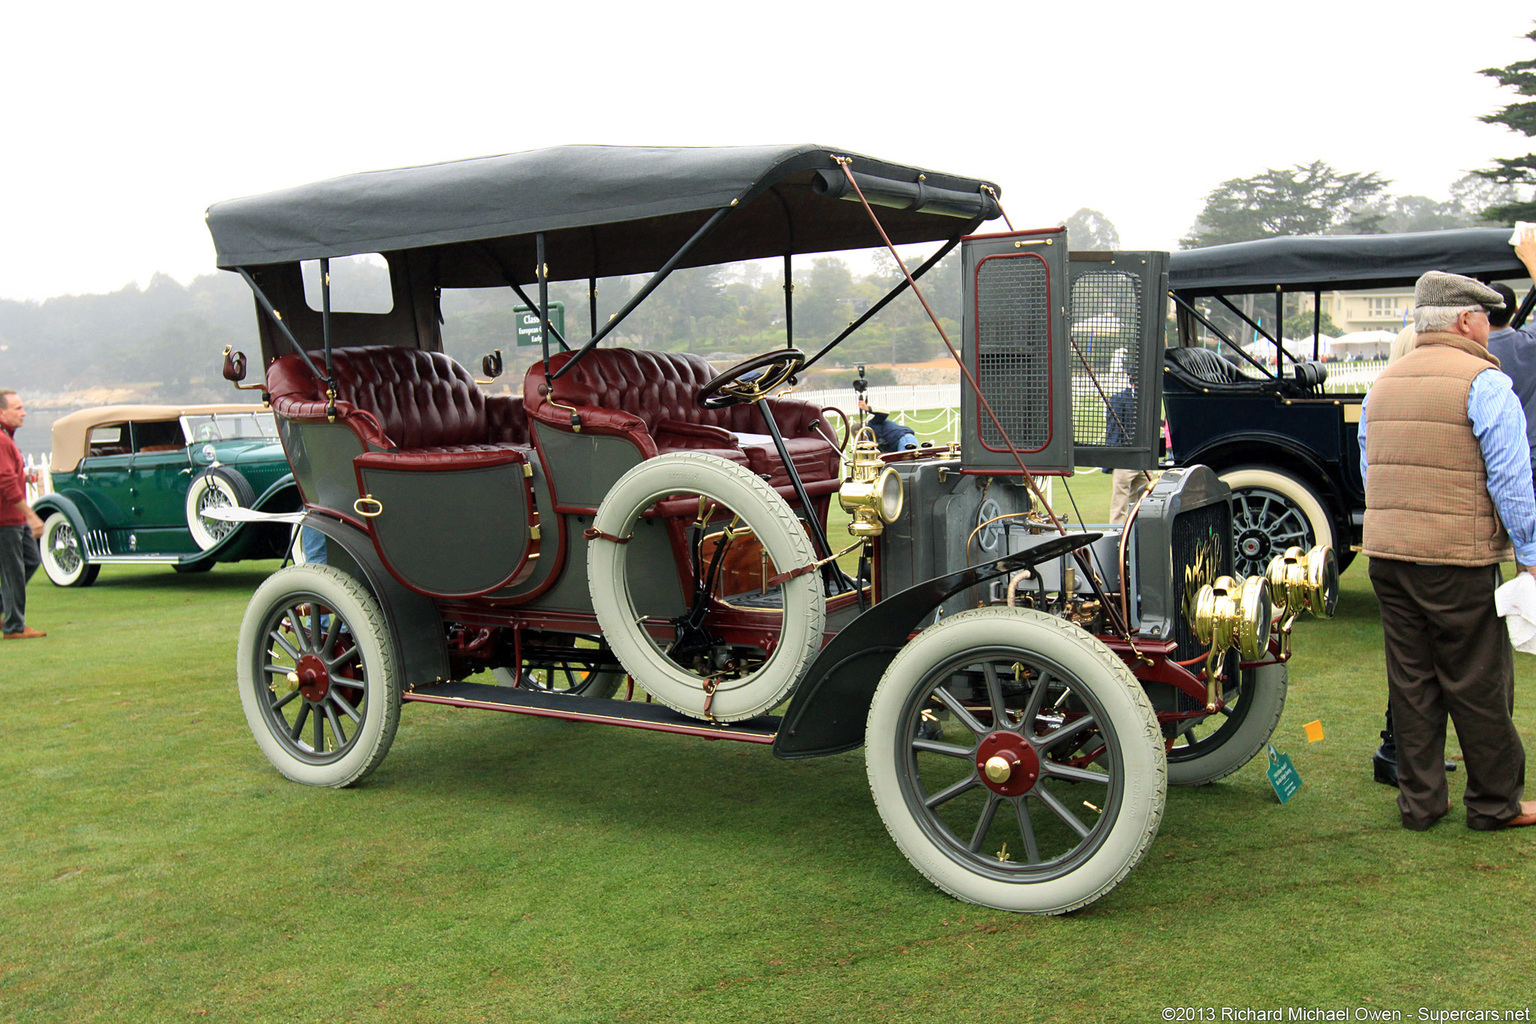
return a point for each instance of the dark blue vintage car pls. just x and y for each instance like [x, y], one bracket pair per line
[1260, 412]
[137, 484]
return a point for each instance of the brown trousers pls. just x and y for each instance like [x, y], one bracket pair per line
[1448, 654]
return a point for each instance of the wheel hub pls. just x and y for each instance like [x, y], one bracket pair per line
[1252, 544]
[311, 678]
[1007, 764]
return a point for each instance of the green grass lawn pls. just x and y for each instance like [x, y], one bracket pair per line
[502, 868]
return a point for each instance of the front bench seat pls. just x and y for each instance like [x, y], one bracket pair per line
[651, 399]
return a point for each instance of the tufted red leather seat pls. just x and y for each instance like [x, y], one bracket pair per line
[401, 399]
[651, 398]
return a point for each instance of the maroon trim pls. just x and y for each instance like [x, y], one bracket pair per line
[446, 459]
[702, 729]
[424, 461]
[1156, 665]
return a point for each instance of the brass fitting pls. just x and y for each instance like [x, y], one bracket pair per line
[1231, 613]
[873, 493]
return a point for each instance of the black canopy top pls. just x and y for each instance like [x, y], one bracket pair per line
[1342, 261]
[604, 210]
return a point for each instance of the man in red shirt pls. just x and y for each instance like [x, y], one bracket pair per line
[19, 526]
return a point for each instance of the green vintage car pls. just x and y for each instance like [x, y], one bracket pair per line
[157, 483]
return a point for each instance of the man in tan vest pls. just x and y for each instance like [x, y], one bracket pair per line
[1447, 469]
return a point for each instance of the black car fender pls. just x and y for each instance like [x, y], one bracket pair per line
[1256, 447]
[284, 485]
[414, 624]
[76, 512]
[826, 715]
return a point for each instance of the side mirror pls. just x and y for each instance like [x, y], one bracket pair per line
[234, 369]
[491, 366]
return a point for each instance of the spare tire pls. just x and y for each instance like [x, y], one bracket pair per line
[215, 487]
[620, 599]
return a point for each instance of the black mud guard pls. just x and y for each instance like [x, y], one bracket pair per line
[53, 501]
[414, 624]
[827, 712]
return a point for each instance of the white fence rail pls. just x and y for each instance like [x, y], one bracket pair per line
[1352, 378]
[39, 480]
[939, 405]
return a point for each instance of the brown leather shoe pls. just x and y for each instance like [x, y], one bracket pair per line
[27, 633]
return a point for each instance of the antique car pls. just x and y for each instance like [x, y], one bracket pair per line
[1255, 407]
[146, 484]
[635, 539]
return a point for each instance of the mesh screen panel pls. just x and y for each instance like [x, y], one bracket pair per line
[1106, 357]
[1013, 364]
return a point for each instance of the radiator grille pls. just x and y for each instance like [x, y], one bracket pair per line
[1013, 365]
[1106, 357]
[1198, 534]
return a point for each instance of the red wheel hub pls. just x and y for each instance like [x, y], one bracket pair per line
[314, 679]
[1007, 764]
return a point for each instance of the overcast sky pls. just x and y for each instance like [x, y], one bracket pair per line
[126, 120]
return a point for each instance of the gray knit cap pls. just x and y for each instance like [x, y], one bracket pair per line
[1440, 289]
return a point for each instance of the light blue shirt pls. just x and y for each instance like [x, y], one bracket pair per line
[1498, 422]
[1516, 352]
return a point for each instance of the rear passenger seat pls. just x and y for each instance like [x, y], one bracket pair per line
[404, 402]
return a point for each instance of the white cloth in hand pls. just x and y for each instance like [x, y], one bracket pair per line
[1516, 602]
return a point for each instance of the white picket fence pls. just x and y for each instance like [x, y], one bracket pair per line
[39, 479]
[1352, 378]
[939, 404]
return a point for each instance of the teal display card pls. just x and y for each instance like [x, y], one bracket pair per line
[1282, 774]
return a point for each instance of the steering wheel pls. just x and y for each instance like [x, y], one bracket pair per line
[751, 380]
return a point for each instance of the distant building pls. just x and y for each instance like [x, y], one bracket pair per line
[1384, 309]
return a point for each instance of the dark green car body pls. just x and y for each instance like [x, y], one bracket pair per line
[129, 484]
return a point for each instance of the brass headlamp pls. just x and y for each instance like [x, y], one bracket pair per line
[1303, 582]
[873, 493]
[1231, 613]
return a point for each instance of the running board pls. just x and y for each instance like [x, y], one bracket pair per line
[631, 713]
[133, 559]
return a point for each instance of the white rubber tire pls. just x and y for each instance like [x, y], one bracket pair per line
[1137, 786]
[63, 554]
[1247, 729]
[779, 531]
[216, 485]
[1299, 495]
[350, 601]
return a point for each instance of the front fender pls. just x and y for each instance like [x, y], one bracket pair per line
[827, 712]
[284, 488]
[412, 620]
[78, 515]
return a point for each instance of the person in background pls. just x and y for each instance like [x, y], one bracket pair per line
[890, 435]
[19, 525]
[1445, 462]
[1125, 484]
[1516, 349]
